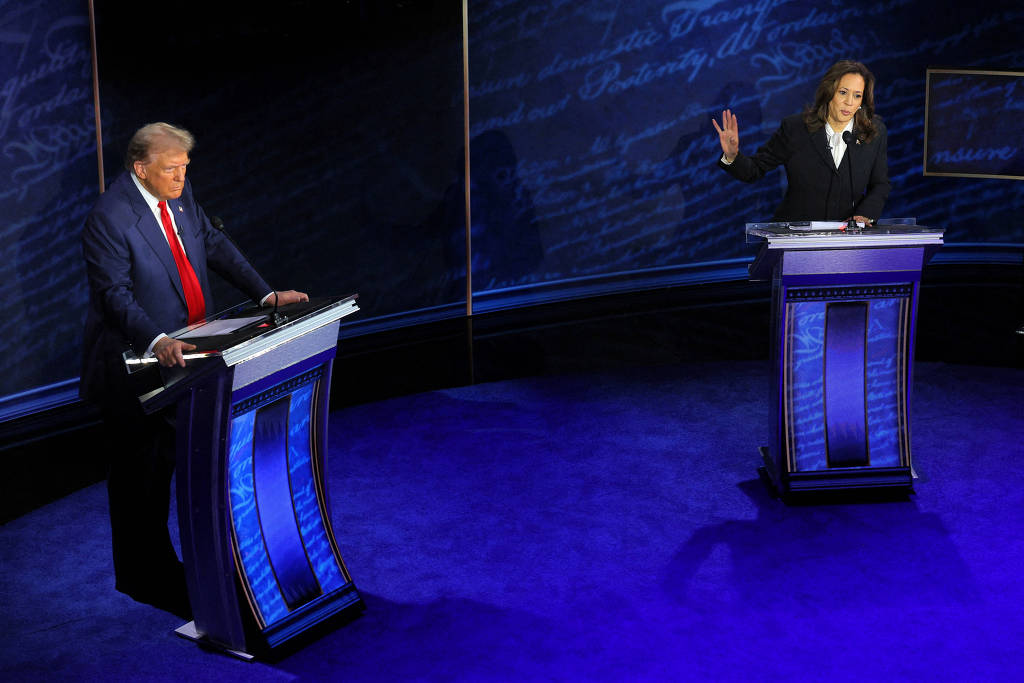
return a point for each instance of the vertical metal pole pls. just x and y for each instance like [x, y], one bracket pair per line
[465, 131]
[469, 223]
[96, 94]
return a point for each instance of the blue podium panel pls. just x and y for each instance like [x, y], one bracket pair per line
[288, 562]
[844, 307]
[843, 380]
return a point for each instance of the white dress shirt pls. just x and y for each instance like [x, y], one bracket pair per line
[835, 141]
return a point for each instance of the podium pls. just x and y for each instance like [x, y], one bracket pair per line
[261, 562]
[844, 306]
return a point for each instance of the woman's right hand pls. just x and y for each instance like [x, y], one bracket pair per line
[728, 135]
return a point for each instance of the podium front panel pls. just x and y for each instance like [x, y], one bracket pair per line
[257, 373]
[844, 379]
[261, 560]
[287, 557]
[844, 307]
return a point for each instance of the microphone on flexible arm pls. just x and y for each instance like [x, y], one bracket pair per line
[277, 318]
[850, 138]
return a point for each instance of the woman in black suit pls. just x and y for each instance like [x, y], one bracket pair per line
[821, 163]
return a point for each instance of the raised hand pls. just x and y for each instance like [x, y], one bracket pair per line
[728, 135]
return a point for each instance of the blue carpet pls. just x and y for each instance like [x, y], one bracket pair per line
[597, 527]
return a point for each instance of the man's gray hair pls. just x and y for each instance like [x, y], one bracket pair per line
[155, 136]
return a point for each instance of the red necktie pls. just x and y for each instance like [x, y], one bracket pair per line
[189, 281]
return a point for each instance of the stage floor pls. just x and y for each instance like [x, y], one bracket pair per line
[605, 526]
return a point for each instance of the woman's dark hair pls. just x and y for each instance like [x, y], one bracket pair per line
[816, 115]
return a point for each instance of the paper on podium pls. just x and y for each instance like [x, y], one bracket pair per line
[216, 328]
[821, 225]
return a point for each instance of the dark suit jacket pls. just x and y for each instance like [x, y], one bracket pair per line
[817, 190]
[134, 289]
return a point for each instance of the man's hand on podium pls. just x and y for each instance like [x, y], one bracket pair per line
[287, 297]
[170, 351]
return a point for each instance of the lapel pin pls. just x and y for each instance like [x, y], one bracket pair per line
[181, 210]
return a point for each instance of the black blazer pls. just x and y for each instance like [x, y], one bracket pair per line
[817, 190]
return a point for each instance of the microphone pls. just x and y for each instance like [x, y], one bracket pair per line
[850, 138]
[217, 223]
[277, 317]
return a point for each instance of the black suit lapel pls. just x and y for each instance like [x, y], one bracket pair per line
[855, 154]
[858, 156]
[819, 141]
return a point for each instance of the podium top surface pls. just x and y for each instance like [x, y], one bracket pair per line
[832, 238]
[260, 332]
[834, 235]
[255, 333]
[253, 330]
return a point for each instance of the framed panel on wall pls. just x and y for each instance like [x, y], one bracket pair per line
[969, 130]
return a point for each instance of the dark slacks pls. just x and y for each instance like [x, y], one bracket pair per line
[141, 452]
[139, 492]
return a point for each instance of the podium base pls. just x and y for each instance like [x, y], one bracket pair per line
[835, 481]
[189, 632]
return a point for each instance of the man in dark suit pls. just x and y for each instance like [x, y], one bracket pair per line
[148, 249]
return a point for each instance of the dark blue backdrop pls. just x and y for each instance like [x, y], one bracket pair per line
[606, 107]
[48, 181]
[333, 147]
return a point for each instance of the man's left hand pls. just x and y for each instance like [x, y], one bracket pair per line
[287, 297]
